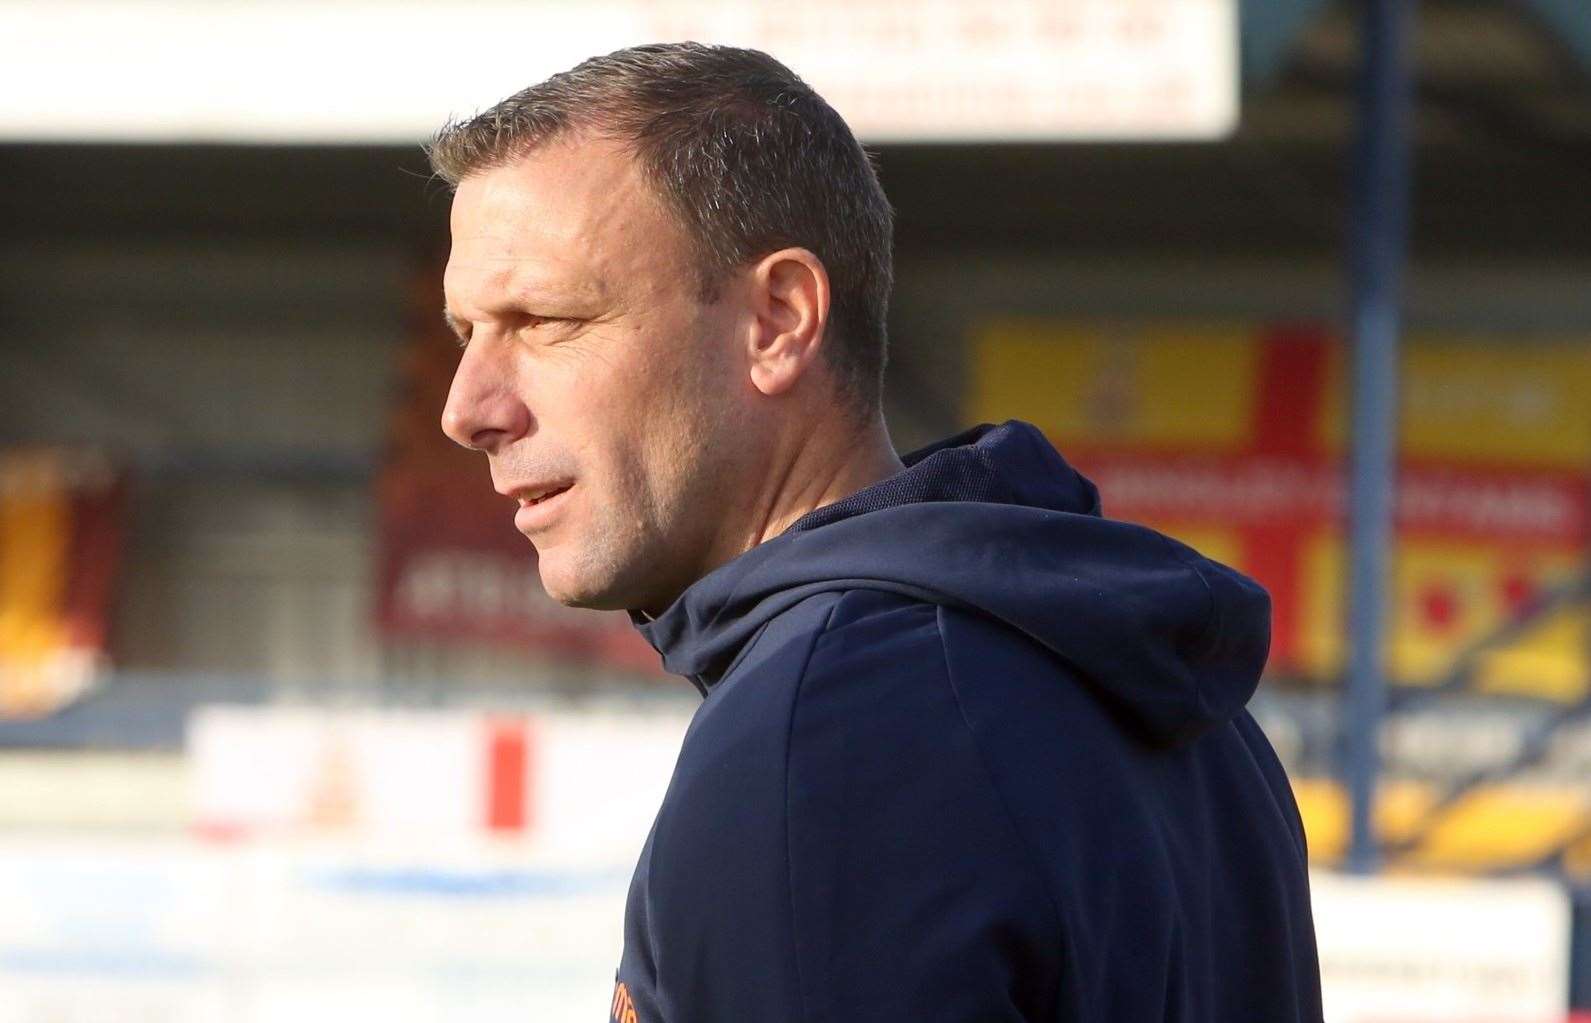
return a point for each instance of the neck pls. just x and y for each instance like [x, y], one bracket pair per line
[806, 469]
[816, 469]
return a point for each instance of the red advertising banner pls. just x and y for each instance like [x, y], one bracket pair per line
[452, 568]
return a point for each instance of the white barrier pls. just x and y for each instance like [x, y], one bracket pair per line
[384, 873]
[568, 781]
[408, 866]
[1417, 950]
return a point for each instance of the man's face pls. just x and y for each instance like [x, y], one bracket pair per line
[604, 394]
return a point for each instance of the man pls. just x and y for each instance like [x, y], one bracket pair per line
[968, 751]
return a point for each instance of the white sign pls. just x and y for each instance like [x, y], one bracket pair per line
[365, 71]
[581, 784]
[1409, 950]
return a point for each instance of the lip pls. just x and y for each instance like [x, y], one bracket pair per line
[533, 517]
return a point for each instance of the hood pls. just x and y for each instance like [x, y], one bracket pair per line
[995, 521]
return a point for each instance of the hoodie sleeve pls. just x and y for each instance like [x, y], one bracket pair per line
[866, 870]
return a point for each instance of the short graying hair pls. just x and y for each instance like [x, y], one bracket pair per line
[745, 154]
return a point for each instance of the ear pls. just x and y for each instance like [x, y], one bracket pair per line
[790, 298]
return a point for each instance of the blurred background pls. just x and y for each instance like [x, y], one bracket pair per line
[288, 730]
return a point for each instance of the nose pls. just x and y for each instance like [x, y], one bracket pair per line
[484, 410]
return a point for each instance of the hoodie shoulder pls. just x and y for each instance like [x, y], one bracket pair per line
[828, 801]
[896, 829]
[718, 942]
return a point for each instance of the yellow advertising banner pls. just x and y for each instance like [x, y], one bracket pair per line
[59, 545]
[1232, 438]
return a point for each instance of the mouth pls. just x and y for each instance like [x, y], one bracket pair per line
[529, 497]
[538, 506]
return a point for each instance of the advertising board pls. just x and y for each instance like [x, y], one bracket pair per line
[897, 70]
[1232, 438]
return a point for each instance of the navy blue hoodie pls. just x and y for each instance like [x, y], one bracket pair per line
[971, 752]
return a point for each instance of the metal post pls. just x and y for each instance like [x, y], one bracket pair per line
[1379, 238]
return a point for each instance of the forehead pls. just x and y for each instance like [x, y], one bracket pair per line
[574, 219]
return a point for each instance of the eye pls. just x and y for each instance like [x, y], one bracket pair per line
[535, 326]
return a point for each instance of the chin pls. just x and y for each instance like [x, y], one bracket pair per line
[576, 596]
[605, 576]
[575, 589]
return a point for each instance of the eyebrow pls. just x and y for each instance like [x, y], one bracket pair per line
[536, 294]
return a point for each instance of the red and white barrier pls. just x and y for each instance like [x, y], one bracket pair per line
[576, 781]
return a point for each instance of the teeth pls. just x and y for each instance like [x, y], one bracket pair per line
[536, 496]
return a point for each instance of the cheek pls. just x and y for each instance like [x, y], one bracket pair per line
[621, 430]
[646, 408]
[587, 406]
